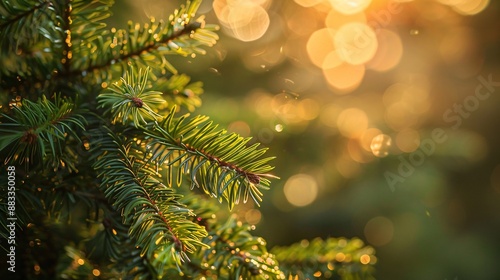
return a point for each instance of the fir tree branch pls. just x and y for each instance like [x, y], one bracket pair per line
[15, 14]
[36, 127]
[234, 254]
[220, 163]
[159, 224]
[145, 45]
[327, 259]
[129, 100]
[136, 53]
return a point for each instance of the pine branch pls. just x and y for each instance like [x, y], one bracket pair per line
[24, 56]
[39, 130]
[236, 254]
[159, 224]
[178, 91]
[128, 100]
[327, 259]
[144, 46]
[220, 163]
[14, 11]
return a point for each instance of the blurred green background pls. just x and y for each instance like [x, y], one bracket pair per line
[347, 95]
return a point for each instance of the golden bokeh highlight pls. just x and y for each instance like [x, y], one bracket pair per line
[381, 145]
[301, 190]
[346, 44]
[379, 231]
[351, 6]
[364, 259]
[308, 109]
[244, 20]
[308, 3]
[366, 138]
[319, 45]
[301, 23]
[345, 77]
[352, 122]
[355, 43]
[261, 102]
[331, 61]
[471, 7]
[96, 272]
[389, 52]
[335, 20]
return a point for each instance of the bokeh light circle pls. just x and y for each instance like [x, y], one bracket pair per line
[350, 6]
[355, 43]
[301, 190]
[380, 145]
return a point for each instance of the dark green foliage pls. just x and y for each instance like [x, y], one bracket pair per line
[107, 176]
[326, 259]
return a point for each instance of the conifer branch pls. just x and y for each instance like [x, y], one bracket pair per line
[191, 27]
[16, 14]
[36, 127]
[159, 224]
[117, 171]
[327, 259]
[220, 163]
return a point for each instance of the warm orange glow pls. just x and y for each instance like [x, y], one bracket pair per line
[301, 23]
[319, 45]
[345, 77]
[364, 259]
[350, 6]
[340, 257]
[356, 43]
[301, 190]
[367, 137]
[308, 109]
[380, 145]
[244, 20]
[389, 52]
[331, 60]
[308, 3]
[352, 122]
[335, 20]
[471, 7]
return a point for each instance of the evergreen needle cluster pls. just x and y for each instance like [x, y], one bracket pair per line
[110, 182]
